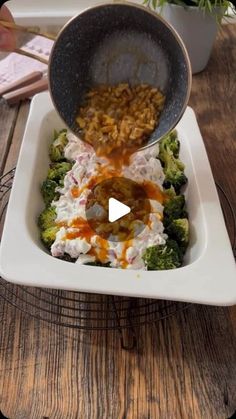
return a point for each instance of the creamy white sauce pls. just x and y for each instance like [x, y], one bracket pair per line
[144, 166]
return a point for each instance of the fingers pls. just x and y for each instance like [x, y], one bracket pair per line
[7, 37]
[5, 14]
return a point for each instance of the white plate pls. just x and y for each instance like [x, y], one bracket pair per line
[209, 274]
[57, 13]
[50, 12]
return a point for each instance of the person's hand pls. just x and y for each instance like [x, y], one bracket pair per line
[7, 36]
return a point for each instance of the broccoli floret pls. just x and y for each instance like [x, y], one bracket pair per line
[67, 258]
[48, 190]
[174, 208]
[169, 193]
[174, 172]
[48, 236]
[166, 256]
[177, 179]
[179, 231]
[47, 218]
[171, 141]
[58, 171]
[172, 166]
[97, 263]
[56, 150]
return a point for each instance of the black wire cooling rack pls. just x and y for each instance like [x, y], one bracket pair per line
[89, 311]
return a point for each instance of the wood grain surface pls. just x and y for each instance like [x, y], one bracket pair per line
[184, 367]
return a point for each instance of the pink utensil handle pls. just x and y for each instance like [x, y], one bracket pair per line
[27, 91]
[24, 81]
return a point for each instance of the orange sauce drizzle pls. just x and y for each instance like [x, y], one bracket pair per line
[75, 192]
[153, 191]
[123, 261]
[102, 251]
[84, 230]
[120, 157]
[62, 224]
[112, 169]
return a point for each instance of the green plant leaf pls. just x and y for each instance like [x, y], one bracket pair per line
[207, 6]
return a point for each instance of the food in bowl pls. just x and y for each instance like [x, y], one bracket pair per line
[75, 168]
[120, 118]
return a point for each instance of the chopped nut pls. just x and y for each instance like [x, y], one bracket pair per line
[120, 116]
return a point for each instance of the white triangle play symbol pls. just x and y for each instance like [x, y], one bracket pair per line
[116, 210]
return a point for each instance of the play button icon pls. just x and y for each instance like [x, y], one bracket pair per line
[117, 209]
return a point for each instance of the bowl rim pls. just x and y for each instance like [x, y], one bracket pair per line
[158, 17]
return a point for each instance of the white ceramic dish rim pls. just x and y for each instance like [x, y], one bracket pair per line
[54, 13]
[211, 279]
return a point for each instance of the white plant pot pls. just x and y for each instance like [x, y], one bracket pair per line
[196, 28]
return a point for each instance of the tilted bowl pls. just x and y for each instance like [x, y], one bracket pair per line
[114, 43]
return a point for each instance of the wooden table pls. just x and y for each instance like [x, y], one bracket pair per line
[185, 366]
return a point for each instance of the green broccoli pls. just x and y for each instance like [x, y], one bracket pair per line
[174, 208]
[171, 140]
[47, 218]
[56, 150]
[166, 256]
[169, 193]
[177, 179]
[48, 190]
[48, 236]
[58, 171]
[179, 231]
[67, 258]
[98, 263]
[172, 166]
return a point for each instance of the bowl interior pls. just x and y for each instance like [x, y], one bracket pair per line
[116, 43]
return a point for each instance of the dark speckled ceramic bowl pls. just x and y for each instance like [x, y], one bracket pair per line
[119, 42]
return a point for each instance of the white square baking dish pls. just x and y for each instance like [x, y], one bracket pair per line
[209, 274]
